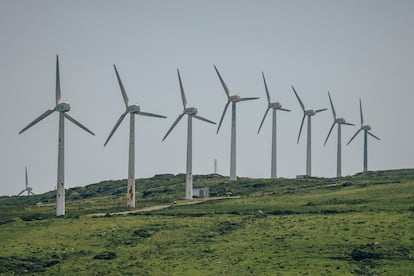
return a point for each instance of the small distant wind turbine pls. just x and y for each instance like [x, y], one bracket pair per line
[190, 112]
[28, 189]
[309, 113]
[366, 129]
[340, 122]
[132, 110]
[62, 108]
[274, 106]
[233, 100]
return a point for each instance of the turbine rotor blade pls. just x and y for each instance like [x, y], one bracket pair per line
[21, 192]
[264, 117]
[329, 133]
[348, 124]
[67, 116]
[301, 125]
[284, 109]
[32, 193]
[173, 125]
[332, 106]
[356, 133]
[267, 90]
[360, 110]
[300, 101]
[123, 92]
[151, 115]
[222, 115]
[320, 110]
[116, 127]
[248, 99]
[58, 94]
[203, 119]
[373, 135]
[182, 90]
[38, 119]
[226, 90]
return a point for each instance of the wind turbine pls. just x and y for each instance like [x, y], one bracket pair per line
[274, 106]
[28, 189]
[233, 100]
[132, 110]
[340, 122]
[190, 112]
[366, 129]
[62, 108]
[307, 113]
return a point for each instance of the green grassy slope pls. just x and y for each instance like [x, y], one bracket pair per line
[361, 225]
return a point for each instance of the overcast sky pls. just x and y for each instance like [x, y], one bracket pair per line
[354, 49]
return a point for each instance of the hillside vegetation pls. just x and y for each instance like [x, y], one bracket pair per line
[357, 225]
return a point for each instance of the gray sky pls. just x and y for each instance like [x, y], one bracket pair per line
[354, 49]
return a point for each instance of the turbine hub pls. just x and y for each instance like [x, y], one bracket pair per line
[190, 111]
[134, 109]
[340, 121]
[276, 105]
[235, 98]
[310, 112]
[366, 127]
[62, 107]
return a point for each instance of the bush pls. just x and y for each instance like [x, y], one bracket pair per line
[366, 251]
[142, 233]
[105, 256]
[227, 226]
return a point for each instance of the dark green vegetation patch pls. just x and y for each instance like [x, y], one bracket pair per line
[105, 256]
[20, 265]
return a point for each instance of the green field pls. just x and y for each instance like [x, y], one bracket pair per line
[358, 225]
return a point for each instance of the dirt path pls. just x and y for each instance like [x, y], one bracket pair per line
[158, 207]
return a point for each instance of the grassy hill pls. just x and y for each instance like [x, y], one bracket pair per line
[357, 225]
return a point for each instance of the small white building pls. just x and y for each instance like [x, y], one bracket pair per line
[201, 192]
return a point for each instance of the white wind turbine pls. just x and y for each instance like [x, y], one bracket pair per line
[307, 113]
[340, 122]
[366, 129]
[190, 112]
[62, 108]
[28, 189]
[233, 100]
[132, 110]
[274, 106]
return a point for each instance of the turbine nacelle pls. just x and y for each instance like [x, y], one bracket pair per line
[234, 98]
[133, 109]
[190, 111]
[366, 127]
[340, 120]
[276, 105]
[63, 107]
[310, 112]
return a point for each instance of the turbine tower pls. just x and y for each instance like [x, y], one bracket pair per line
[366, 129]
[233, 100]
[307, 113]
[132, 110]
[339, 122]
[62, 108]
[190, 112]
[274, 106]
[28, 189]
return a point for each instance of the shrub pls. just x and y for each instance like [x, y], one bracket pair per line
[105, 256]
